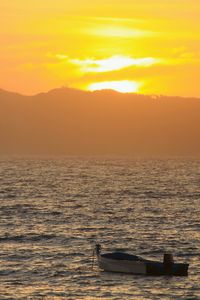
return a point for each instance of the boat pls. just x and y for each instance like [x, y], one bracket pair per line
[121, 262]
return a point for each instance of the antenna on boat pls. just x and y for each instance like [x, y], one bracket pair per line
[92, 259]
[97, 251]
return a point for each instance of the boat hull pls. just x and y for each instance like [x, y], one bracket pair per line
[121, 266]
[144, 267]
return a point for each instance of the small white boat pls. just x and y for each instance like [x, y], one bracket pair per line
[127, 263]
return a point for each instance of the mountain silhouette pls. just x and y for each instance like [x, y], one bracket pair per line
[73, 122]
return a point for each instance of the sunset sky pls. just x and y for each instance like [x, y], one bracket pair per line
[146, 46]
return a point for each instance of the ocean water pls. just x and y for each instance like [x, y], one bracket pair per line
[52, 211]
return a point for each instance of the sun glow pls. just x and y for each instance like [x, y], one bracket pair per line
[80, 43]
[124, 86]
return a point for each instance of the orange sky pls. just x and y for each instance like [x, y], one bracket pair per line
[145, 46]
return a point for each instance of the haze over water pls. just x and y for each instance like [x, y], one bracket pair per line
[52, 211]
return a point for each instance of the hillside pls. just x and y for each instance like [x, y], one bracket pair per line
[72, 122]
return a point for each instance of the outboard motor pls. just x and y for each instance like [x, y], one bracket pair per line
[98, 249]
[168, 263]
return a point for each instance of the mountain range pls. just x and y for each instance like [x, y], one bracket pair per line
[67, 121]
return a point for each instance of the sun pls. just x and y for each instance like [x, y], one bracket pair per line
[124, 86]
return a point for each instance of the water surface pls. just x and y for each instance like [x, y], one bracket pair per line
[52, 211]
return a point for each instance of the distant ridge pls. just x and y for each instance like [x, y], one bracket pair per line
[65, 90]
[74, 122]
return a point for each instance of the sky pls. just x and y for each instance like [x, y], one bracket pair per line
[146, 46]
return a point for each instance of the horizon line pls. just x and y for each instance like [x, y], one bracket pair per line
[96, 91]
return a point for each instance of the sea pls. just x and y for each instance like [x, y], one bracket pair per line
[54, 210]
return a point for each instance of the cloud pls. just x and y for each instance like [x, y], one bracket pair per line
[118, 32]
[121, 20]
[113, 63]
